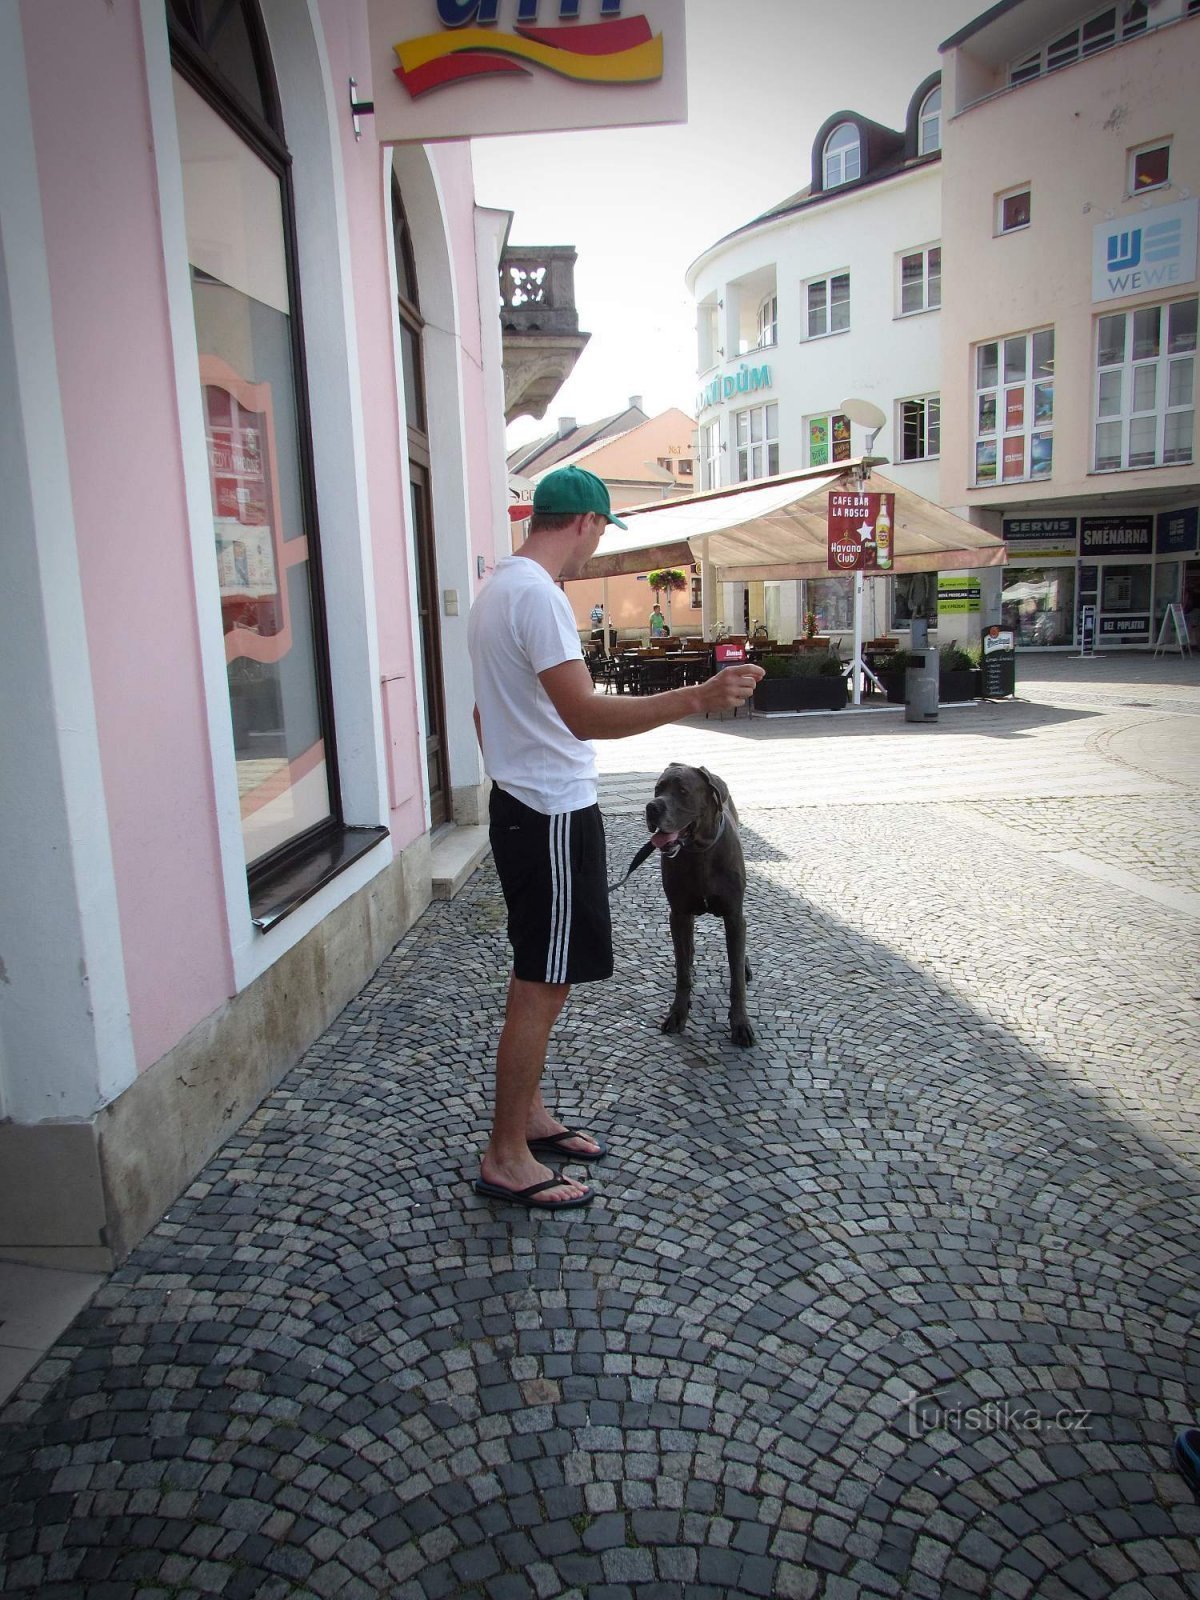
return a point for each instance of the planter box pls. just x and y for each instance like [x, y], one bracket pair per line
[893, 685]
[800, 694]
[965, 685]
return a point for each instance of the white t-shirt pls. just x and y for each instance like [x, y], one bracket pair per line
[521, 624]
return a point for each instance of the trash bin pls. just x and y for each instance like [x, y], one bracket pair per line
[921, 687]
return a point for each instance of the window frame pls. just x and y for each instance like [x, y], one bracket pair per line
[839, 443]
[927, 278]
[925, 147]
[931, 425]
[1001, 390]
[1128, 367]
[841, 154]
[1003, 196]
[1132, 188]
[827, 279]
[743, 451]
[1130, 18]
[277, 880]
[710, 455]
[772, 321]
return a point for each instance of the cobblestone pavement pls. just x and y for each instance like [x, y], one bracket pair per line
[900, 1302]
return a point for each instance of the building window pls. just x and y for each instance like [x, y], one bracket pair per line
[768, 321]
[828, 305]
[1150, 167]
[929, 136]
[756, 440]
[1145, 387]
[666, 463]
[828, 439]
[710, 456]
[1013, 209]
[1097, 32]
[1014, 408]
[921, 428]
[842, 157]
[706, 335]
[685, 466]
[920, 280]
[239, 220]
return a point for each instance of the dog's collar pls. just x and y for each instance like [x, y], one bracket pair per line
[647, 850]
[716, 836]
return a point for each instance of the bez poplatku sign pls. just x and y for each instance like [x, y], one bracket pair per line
[860, 531]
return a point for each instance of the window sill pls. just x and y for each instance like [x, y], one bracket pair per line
[1007, 483]
[815, 338]
[1154, 466]
[1004, 233]
[279, 895]
[923, 311]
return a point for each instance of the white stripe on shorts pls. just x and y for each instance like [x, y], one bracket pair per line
[560, 897]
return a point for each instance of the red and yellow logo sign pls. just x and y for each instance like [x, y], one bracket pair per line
[624, 50]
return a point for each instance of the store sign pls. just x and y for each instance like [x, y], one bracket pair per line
[860, 531]
[1116, 536]
[1148, 250]
[1119, 627]
[745, 380]
[1176, 532]
[957, 595]
[998, 663]
[1040, 536]
[463, 69]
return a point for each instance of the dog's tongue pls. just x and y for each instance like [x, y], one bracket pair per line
[660, 841]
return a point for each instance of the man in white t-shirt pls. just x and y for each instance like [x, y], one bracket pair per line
[536, 712]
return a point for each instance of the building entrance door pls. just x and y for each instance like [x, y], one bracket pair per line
[436, 764]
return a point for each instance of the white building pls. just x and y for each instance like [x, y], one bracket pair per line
[834, 293]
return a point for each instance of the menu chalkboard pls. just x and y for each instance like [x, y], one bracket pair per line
[999, 664]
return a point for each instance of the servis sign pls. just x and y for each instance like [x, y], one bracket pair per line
[462, 69]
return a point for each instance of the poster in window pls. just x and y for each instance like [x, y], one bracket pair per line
[1043, 402]
[985, 462]
[987, 413]
[1014, 409]
[841, 438]
[1014, 457]
[818, 442]
[251, 554]
[1041, 455]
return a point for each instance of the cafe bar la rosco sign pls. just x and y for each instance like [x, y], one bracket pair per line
[465, 69]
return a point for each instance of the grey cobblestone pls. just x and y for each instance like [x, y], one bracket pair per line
[960, 1166]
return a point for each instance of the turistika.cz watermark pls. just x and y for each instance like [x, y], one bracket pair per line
[930, 1413]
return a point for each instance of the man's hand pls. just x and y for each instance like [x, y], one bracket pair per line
[728, 688]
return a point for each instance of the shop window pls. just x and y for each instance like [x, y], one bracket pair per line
[756, 441]
[920, 280]
[240, 225]
[1150, 167]
[827, 302]
[1014, 408]
[842, 156]
[930, 123]
[1145, 387]
[831, 600]
[914, 598]
[1038, 604]
[1014, 209]
[828, 439]
[921, 428]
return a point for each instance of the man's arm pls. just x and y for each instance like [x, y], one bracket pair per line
[599, 716]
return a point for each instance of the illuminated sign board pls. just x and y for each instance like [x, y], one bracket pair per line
[465, 69]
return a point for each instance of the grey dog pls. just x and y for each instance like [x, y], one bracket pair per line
[694, 824]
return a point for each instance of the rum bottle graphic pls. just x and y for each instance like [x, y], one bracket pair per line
[883, 537]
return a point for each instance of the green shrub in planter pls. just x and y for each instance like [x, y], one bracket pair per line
[804, 664]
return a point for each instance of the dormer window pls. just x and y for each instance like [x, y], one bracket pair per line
[930, 123]
[843, 161]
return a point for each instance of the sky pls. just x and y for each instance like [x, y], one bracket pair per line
[640, 204]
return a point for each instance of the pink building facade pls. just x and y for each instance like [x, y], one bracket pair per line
[250, 368]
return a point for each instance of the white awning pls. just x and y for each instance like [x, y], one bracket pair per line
[778, 529]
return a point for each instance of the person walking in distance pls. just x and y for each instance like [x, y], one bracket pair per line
[536, 713]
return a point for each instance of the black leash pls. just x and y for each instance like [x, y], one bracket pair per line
[646, 851]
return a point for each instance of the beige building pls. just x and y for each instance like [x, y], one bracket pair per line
[1070, 174]
[654, 459]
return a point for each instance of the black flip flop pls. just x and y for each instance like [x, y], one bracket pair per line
[551, 1144]
[525, 1197]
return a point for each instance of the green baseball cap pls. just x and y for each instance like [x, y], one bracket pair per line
[570, 491]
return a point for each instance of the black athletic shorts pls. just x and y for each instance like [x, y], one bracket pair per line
[554, 873]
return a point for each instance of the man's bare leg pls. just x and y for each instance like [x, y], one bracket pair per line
[530, 1014]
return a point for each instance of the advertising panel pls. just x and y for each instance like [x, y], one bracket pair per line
[1116, 536]
[463, 69]
[1148, 250]
[1040, 537]
[860, 531]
